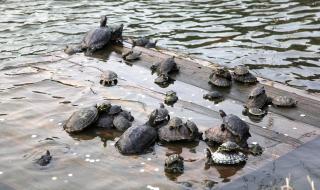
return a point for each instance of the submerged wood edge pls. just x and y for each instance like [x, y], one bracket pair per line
[196, 71]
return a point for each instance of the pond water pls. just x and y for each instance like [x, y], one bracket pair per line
[277, 39]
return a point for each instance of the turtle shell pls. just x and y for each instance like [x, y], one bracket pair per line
[81, 119]
[192, 127]
[109, 76]
[247, 78]
[222, 72]
[167, 66]
[171, 93]
[132, 55]
[136, 140]
[105, 121]
[143, 41]
[236, 126]
[121, 123]
[215, 135]
[219, 81]
[175, 123]
[169, 134]
[256, 111]
[241, 70]
[96, 38]
[257, 101]
[229, 146]
[228, 158]
[159, 115]
[174, 164]
[257, 91]
[127, 115]
[115, 109]
[284, 101]
[255, 149]
[213, 95]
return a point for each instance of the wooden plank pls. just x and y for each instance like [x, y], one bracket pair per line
[196, 72]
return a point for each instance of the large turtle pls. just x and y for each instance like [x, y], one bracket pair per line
[215, 135]
[163, 69]
[81, 119]
[94, 40]
[257, 98]
[284, 101]
[176, 130]
[220, 77]
[108, 78]
[136, 140]
[174, 164]
[236, 126]
[159, 116]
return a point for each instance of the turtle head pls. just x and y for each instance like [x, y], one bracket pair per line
[103, 21]
[103, 107]
[163, 79]
[161, 105]
[222, 113]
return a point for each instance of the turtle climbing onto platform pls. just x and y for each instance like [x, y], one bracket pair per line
[163, 69]
[241, 74]
[220, 77]
[229, 153]
[94, 40]
[258, 98]
[108, 78]
[236, 126]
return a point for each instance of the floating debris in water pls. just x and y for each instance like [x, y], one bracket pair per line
[152, 188]
[92, 161]
[142, 163]
[264, 127]
[192, 94]
[97, 160]
[145, 79]
[59, 124]
[34, 136]
[70, 174]
[285, 134]
[1, 172]
[141, 170]
[302, 115]
[51, 120]
[54, 178]
[190, 118]
[151, 88]
[209, 106]
[148, 159]
[74, 153]
[87, 156]
[294, 128]
[156, 169]
[87, 160]
[76, 143]
[233, 101]
[1, 119]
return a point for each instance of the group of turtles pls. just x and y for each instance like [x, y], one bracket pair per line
[231, 136]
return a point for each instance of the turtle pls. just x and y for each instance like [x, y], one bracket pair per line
[163, 69]
[213, 96]
[257, 98]
[193, 129]
[222, 72]
[136, 140]
[103, 107]
[227, 154]
[215, 135]
[81, 119]
[255, 149]
[95, 39]
[158, 116]
[127, 115]
[240, 70]
[253, 111]
[121, 123]
[248, 78]
[236, 126]
[144, 42]
[174, 164]
[73, 49]
[116, 33]
[108, 78]
[115, 109]
[284, 101]
[176, 130]
[131, 55]
[171, 97]
[44, 159]
[219, 81]
[105, 121]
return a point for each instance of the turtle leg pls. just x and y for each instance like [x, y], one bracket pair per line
[222, 127]
[115, 82]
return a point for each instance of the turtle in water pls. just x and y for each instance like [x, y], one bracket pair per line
[256, 112]
[220, 77]
[174, 164]
[121, 123]
[136, 140]
[44, 159]
[131, 55]
[171, 97]
[108, 78]
[215, 135]
[159, 116]
[241, 74]
[81, 119]
[94, 40]
[284, 101]
[227, 154]
[163, 69]
[257, 98]
[255, 149]
[176, 130]
[236, 126]
[144, 42]
[213, 96]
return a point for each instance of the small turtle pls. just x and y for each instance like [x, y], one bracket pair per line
[144, 42]
[236, 126]
[229, 146]
[136, 140]
[44, 159]
[176, 130]
[127, 115]
[163, 69]
[193, 129]
[241, 70]
[171, 97]
[108, 78]
[248, 78]
[222, 72]
[220, 77]
[73, 49]
[256, 111]
[255, 149]
[213, 96]
[158, 116]
[215, 135]
[115, 109]
[131, 55]
[257, 98]
[103, 107]
[284, 101]
[81, 119]
[105, 121]
[121, 123]
[174, 164]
